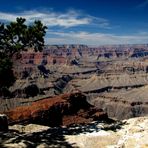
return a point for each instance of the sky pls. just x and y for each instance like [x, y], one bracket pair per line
[91, 22]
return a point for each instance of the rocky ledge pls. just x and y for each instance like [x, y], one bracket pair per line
[131, 133]
[62, 110]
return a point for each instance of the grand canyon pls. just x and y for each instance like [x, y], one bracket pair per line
[75, 85]
[74, 74]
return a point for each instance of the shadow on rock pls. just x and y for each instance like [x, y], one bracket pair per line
[53, 137]
[50, 138]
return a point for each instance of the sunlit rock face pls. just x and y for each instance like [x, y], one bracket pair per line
[131, 133]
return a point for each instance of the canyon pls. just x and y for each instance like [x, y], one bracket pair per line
[111, 77]
[77, 96]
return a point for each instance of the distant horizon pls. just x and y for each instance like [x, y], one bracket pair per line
[145, 44]
[92, 22]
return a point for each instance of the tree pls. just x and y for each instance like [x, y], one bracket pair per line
[7, 77]
[17, 36]
[6, 74]
[36, 33]
[14, 38]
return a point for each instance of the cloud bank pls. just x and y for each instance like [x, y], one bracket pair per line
[95, 38]
[73, 18]
[69, 19]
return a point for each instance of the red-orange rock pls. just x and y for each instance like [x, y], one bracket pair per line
[60, 110]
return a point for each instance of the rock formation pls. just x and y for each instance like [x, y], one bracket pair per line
[123, 104]
[61, 110]
[129, 133]
[99, 72]
[132, 134]
[113, 79]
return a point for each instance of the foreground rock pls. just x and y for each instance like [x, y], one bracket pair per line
[131, 133]
[30, 128]
[61, 110]
[3, 122]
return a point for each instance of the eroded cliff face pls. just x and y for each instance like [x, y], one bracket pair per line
[121, 96]
[65, 109]
[103, 71]
[123, 104]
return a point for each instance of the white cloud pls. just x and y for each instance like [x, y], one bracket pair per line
[95, 38]
[50, 18]
[75, 18]
[68, 19]
[100, 22]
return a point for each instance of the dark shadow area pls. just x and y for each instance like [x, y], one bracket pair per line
[54, 137]
[115, 126]
[93, 127]
[50, 138]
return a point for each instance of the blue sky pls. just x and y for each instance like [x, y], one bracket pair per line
[91, 22]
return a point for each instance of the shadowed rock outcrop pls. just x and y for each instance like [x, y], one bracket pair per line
[65, 109]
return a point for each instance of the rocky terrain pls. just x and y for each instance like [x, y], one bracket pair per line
[131, 133]
[124, 104]
[106, 73]
[64, 110]
[81, 92]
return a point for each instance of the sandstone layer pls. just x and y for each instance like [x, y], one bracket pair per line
[65, 109]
